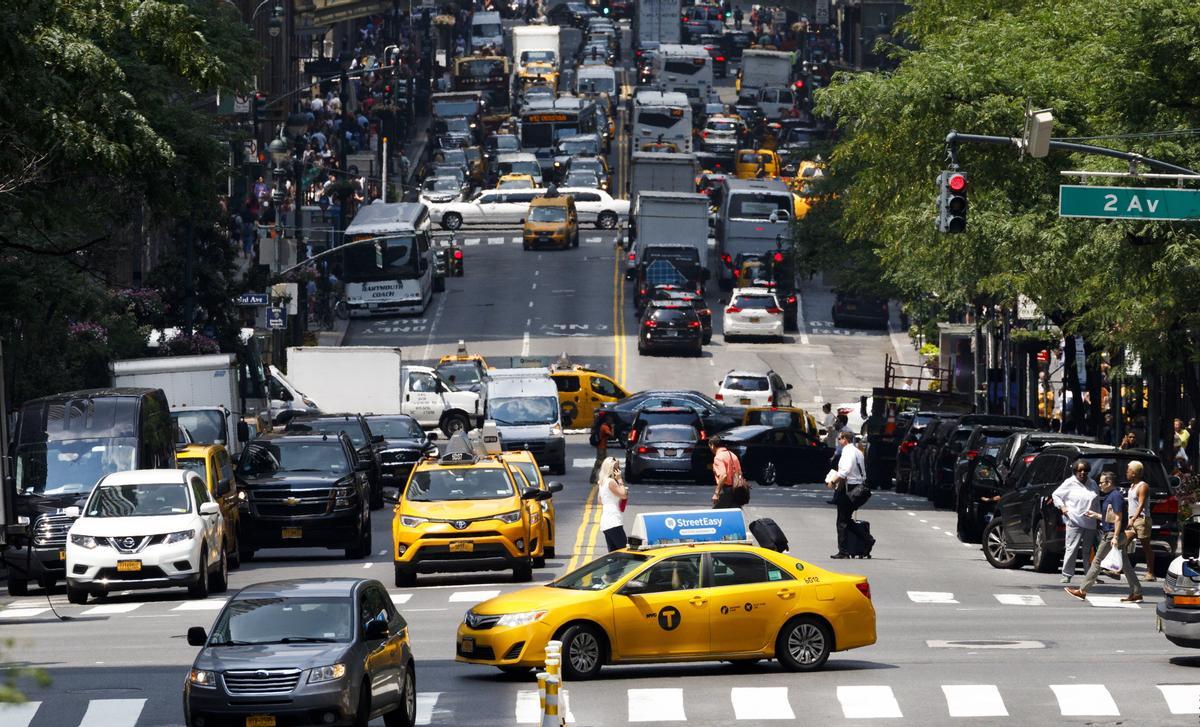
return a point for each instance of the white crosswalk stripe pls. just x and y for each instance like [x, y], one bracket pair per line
[593, 240]
[401, 598]
[472, 596]
[1181, 698]
[529, 707]
[656, 705]
[874, 702]
[1085, 700]
[18, 715]
[108, 609]
[208, 604]
[497, 240]
[17, 613]
[931, 597]
[1109, 602]
[112, 712]
[426, 703]
[1019, 599]
[759, 703]
[974, 700]
[470, 241]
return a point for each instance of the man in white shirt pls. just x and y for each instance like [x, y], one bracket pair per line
[1076, 497]
[827, 420]
[851, 471]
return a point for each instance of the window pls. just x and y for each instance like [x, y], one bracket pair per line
[567, 384]
[604, 387]
[199, 492]
[422, 383]
[372, 606]
[673, 574]
[736, 569]
[224, 473]
[586, 197]
[783, 438]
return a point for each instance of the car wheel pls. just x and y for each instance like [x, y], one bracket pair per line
[523, 571]
[539, 561]
[219, 582]
[245, 555]
[583, 652]
[405, 576]
[452, 423]
[641, 349]
[550, 551]
[406, 714]
[995, 548]
[377, 497]
[362, 711]
[1043, 560]
[17, 586]
[76, 595]
[234, 555]
[769, 476]
[607, 220]
[632, 476]
[968, 520]
[362, 547]
[451, 221]
[803, 644]
[199, 589]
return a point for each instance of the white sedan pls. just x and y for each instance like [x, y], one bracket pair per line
[753, 312]
[598, 207]
[508, 207]
[147, 529]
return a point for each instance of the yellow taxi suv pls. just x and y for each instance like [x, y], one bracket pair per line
[466, 511]
[552, 221]
[214, 465]
[706, 601]
[526, 464]
[582, 391]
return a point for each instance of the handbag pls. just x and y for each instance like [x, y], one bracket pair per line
[859, 495]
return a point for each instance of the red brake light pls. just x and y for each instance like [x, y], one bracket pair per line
[906, 445]
[719, 396]
[647, 450]
[704, 436]
[632, 255]
[650, 324]
[642, 291]
[706, 312]
[864, 588]
[972, 454]
[1029, 458]
[800, 83]
[774, 311]
[720, 59]
[737, 273]
[957, 182]
[458, 254]
[791, 299]
[733, 309]
[771, 400]
[704, 134]
[694, 324]
[1168, 506]
[726, 258]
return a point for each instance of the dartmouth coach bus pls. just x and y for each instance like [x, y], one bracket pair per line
[392, 269]
[487, 74]
[544, 122]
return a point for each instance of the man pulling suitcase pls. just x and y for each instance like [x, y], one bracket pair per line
[854, 537]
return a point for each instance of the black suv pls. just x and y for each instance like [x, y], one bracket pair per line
[951, 443]
[996, 473]
[1028, 526]
[404, 444]
[906, 449]
[304, 491]
[671, 326]
[367, 445]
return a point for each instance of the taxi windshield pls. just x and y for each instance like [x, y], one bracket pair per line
[274, 620]
[543, 213]
[459, 374]
[602, 572]
[459, 483]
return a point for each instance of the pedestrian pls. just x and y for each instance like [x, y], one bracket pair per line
[851, 470]
[827, 420]
[1139, 517]
[1076, 497]
[737, 18]
[1182, 433]
[1129, 441]
[1111, 518]
[604, 432]
[732, 489]
[613, 495]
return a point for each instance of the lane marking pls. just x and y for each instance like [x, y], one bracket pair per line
[18, 715]
[1110, 602]
[367, 565]
[208, 604]
[426, 702]
[401, 598]
[1181, 698]
[529, 707]
[931, 597]
[582, 463]
[761, 703]
[1019, 599]
[525, 342]
[433, 325]
[1085, 700]
[472, 596]
[974, 700]
[112, 712]
[471, 241]
[496, 240]
[868, 703]
[656, 705]
[111, 608]
[581, 532]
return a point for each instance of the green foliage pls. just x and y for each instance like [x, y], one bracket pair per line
[1106, 69]
[12, 674]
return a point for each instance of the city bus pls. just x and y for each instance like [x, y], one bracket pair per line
[487, 74]
[392, 269]
[685, 69]
[544, 122]
[662, 118]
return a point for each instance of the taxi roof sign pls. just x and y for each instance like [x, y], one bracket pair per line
[690, 526]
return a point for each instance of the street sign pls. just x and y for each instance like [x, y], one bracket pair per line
[821, 12]
[252, 299]
[276, 318]
[241, 103]
[1128, 203]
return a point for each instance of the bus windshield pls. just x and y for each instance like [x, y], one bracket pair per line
[484, 68]
[71, 466]
[760, 206]
[394, 258]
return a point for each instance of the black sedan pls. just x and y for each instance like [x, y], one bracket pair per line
[778, 455]
[670, 326]
[404, 444]
[715, 46]
[310, 651]
[668, 450]
[716, 416]
[573, 14]
[854, 309]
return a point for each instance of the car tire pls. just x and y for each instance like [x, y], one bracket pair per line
[523, 571]
[200, 589]
[439, 284]
[967, 529]
[632, 476]
[362, 709]
[606, 220]
[803, 644]
[582, 651]
[17, 586]
[361, 548]
[377, 497]
[451, 221]
[539, 561]
[768, 476]
[406, 714]
[995, 548]
[559, 467]
[219, 582]
[76, 595]
[1043, 561]
[235, 555]
[452, 423]
[405, 577]
[245, 555]
[549, 551]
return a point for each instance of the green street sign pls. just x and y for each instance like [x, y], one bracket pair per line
[1128, 203]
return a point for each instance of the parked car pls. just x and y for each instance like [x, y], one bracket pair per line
[404, 443]
[675, 450]
[715, 416]
[753, 312]
[1028, 527]
[752, 388]
[857, 310]
[670, 326]
[366, 445]
[329, 651]
[925, 454]
[906, 450]
[778, 455]
[951, 444]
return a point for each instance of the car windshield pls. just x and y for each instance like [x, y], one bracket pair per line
[670, 433]
[263, 459]
[505, 143]
[459, 483]
[545, 213]
[582, 178]
[761, 206]
[747, 383]
[276, 620]
[443, 184]
[577, 147]
[602, 572]
[396, 427]
[459, 374]
[331, 427]
[196, 464]
[525, 410]
[71, 466]
[537, 56]
[457, 157]
[206, 427]
[723, 126]
[754, 301]
[143, 500]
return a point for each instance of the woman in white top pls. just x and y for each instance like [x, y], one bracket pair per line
[611, 495]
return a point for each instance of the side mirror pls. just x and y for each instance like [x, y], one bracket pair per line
[197, 636]
[554, 486]
[210, 508]
[633, 588]
[533, 493]
[243, 432]
[433, 436]
[376, 629]
[377, 439]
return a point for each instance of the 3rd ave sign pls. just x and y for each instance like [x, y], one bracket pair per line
[1128, 203]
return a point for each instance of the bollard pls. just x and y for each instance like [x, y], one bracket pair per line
[550, 717]
[541, 681]
[554, 668]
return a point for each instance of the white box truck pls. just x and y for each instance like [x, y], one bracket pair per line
[375, 380]
[202, 391]
[670, 218]
[530, 42]
[656, 22]
[765, 69]
[661, 172]
[523, 404]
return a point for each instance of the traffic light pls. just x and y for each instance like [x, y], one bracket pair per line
[260, 105]
[952, 202]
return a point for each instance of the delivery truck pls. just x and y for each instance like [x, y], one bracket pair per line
[668, 218]
[656, 22]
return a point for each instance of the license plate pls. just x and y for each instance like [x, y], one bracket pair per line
[461, 546]
[468, 645]
[292, 534]
[129, 566]
[62, 555]
[670, 452]
[744, 402]
[260, 720]
[754, 320]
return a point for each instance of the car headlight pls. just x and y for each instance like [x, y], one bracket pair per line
[241, 496]
[521, 619]
[180, 536]
[411, 522]
[83, 541]
[326, 673]
[509, 517]
[556, 429]
[202, 678]
[343, 491]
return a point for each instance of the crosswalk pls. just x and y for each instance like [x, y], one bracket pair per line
[594, 704]
[1021, 600]
[517, 239]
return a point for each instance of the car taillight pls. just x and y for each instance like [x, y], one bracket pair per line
[771, 400]
[906, 445]
[632, 436]
[864, 588]
[791, 300]
[774, 311]
[733, 309]
[704, 436]
[1029, 458]
[693, 324]
[1169, 506]
[737, 273]
[704, 134]
[647, 450]
[650, 324]
[719, 396]
[727, 259]
[706, 312]
[719, 59]
[632, 255]
[972, 454]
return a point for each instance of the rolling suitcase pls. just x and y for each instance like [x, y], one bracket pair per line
[859, 541]
[768, 534]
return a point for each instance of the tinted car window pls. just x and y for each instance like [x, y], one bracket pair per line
[670, 315]
[263, 459]
[673, 574]
[747, 383]
[753, 301]
[670, 433]
[735, 569]
[332, 427]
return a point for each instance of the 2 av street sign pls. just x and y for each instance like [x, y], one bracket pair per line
[1128, 203]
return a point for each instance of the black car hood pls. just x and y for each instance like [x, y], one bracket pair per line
[32, 506]
[270, 656]
[404, 444]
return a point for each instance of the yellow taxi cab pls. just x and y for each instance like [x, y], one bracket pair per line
[787, 417]
[213, 463]
[538, 73]
[463, 369]
[756, 164]
[753, 273]
[687, 602]
[524, 462]
[466, 511]
[516, 181]
[581, 391]
[552, 221]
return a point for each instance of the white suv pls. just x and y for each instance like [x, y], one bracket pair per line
[750, 388]
[753, 312]
[147, 529]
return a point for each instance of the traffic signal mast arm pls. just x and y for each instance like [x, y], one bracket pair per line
[953, 139]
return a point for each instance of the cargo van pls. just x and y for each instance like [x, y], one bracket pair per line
[524, 405]
[486, 31]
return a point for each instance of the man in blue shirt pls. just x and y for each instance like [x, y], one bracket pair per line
[1112, 535]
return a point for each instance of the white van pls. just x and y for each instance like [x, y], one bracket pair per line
[523, 404]
[595, 80]
[486, 30]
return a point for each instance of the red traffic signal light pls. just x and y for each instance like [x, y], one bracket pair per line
[957, 182]
[778, 257]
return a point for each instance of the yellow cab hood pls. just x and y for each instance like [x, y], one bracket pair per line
[459, 509]
[537, 598]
